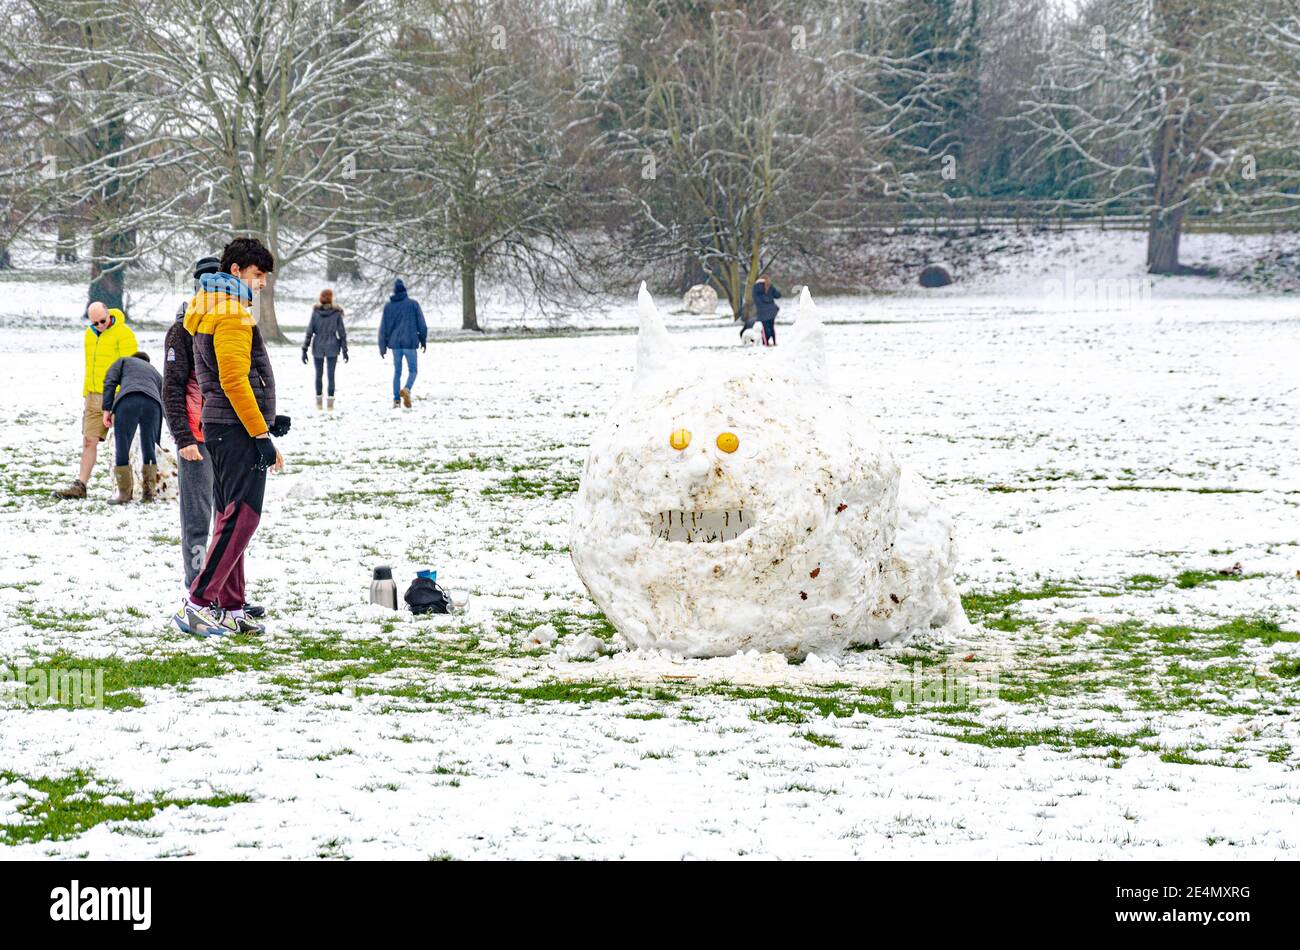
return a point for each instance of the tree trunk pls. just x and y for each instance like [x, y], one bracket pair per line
[341, 259]
[108, 272]
[341, 255]
[1162, 242]
[692, 273]
[727, 278]
[1166, 226]
[266, 318]
[6, 261]
[755, 262]
[65, 250]
[468, 296]
[110, 248]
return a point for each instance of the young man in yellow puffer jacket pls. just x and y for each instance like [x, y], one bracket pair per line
[107, 340]
[233, 369]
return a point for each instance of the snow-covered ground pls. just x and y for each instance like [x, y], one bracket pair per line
[1105, 459]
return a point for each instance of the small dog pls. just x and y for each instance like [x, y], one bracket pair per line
[753, 336]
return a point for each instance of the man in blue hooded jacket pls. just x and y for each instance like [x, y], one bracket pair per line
[401, 330]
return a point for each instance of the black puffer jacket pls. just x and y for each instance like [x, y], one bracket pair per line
[178, 374]
[326, 334]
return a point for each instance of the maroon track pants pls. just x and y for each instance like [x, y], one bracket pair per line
[238, 487]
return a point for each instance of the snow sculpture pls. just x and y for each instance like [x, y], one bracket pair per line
[748, 506]
[701, 298]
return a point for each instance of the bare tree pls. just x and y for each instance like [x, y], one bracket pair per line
[78, 108]
[1264, 52]
[479, 151]
[1140, 95]
[260, 101]
[751, 128]
[214, 117]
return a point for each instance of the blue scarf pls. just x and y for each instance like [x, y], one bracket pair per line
[226, 284]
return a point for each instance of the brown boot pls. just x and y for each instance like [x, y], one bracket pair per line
[329, 404]
[125, 485]
[406, 398]
[318, 402]
[76, 490]
[148, 482]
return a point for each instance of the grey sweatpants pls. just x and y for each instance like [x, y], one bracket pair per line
[195, 480]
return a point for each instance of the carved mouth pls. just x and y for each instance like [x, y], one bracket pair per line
[712, 526]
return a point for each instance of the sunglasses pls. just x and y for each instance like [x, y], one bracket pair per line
[102, 323]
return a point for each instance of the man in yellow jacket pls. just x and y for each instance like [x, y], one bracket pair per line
[108, 339]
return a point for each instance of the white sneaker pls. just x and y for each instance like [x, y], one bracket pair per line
[210, 622]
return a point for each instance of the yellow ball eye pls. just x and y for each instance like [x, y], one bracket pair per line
[680, 439]
[728, 442]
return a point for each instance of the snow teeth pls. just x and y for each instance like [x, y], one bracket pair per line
[711, 526]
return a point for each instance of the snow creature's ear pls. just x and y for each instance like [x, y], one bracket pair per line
[655, 350]
[806, 356]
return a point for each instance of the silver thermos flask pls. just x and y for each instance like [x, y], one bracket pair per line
[383, 589]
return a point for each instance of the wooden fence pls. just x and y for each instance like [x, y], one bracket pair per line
[979, 214]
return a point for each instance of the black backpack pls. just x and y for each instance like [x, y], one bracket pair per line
[426, 597]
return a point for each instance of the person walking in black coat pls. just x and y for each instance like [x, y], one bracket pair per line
[328, 338]
[766, 308]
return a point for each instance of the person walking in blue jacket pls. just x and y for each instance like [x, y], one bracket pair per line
[401, 330]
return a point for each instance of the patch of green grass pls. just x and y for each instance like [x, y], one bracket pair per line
[798, 708]
[331, 754]
[548, 485]
[1000, 737]
[431, 696]
[1186, 580]
[121, 676]
[69, 621]
[779, 713]
[1264, 629]
[991, 608]
[583, 691]
[475, 463]
[1195, 491]
[826, 742]
[1179, 756]
[69, 809]
[519, 623]
[1224, 676]
[390, 498]
[800, 787]
[1287, 669]
[329, 664]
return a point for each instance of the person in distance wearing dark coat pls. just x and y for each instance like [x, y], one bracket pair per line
[328, 339]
